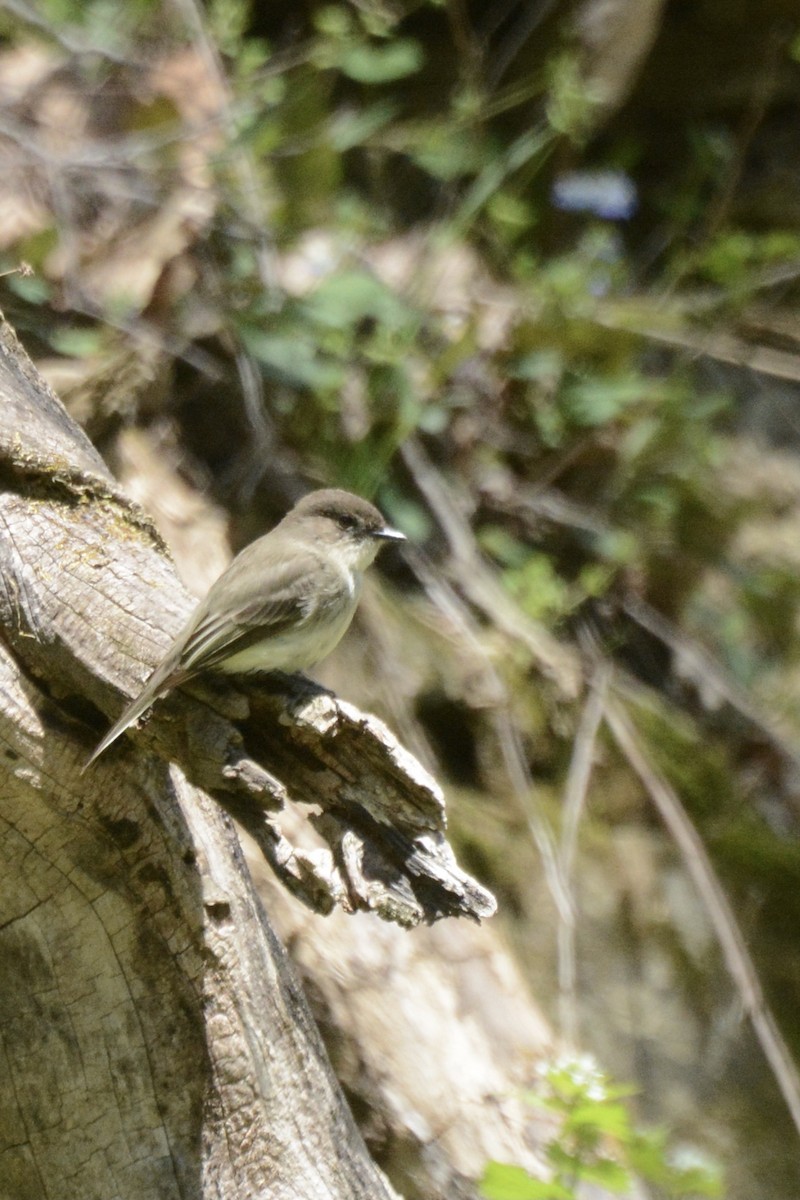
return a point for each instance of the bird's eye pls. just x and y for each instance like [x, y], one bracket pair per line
[343, 520]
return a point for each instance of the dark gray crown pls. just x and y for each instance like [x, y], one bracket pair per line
[351, 513]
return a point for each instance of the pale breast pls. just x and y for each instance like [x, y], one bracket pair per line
[307, 644]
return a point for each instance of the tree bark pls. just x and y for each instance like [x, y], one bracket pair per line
[433, 1034]
[155, 1042]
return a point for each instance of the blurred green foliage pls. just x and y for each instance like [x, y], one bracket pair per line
[423, 280]
[368, 135]
[597, 1143]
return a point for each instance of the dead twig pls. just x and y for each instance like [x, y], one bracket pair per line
[479, 584]
[575, 793]
[701, 871]
[521, 785]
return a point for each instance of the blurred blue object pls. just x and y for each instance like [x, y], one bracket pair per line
[607, 194]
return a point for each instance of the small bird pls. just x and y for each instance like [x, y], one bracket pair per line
[283, 604]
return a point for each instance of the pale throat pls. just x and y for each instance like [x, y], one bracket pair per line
[356, 555]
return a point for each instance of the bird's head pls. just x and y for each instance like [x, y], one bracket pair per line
[351, 526]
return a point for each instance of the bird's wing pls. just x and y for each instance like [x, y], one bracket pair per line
[232, 618]
[222, 634]
[224, 625]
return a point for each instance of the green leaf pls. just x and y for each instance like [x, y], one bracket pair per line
[531, 146]
[598, 401]
[538, 588]
[292, 359]
[649, 1157]
[333, 21]
[612, 1119]
[501, 1181]
[354, 127]
[32, 288]
[538, 365]
[509, 211]
[565, 1161]
[618, 546]
[343, 300]
[698, 1181]
[510, 552]
[607, 1173]
[435, 147]
[368, 63]
[571, 103]
[77, 343]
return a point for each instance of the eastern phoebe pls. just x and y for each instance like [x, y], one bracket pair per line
[283, 603]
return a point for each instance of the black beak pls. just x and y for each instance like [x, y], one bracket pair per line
[387, 534]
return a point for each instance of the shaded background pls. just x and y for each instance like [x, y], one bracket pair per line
[527, 275]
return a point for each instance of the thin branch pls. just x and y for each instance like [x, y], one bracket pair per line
[761, 99]
[699, 867]
[717, 344]
[480, 585]
[521, 785]
[525, 794]
[575, 793]
[251, 196]
[580, 767]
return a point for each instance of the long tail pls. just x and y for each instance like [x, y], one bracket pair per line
[160, 682]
